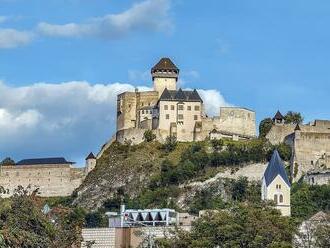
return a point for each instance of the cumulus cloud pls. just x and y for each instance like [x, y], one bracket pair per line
[149, 15]
[65, 119]
[10, 38]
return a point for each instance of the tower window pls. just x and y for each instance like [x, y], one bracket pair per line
[189, 108]
[167, 116]
[166, 107]
[180, 107]
[172, 107]
[195, 117]
[180, 117]
[196, 108]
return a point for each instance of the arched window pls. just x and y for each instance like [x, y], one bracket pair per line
[275, 199]
[281, 198]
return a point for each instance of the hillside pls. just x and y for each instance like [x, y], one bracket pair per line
[151, 175]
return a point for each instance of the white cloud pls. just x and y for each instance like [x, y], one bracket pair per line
[65, 119]
[10, 38]
[149, 15]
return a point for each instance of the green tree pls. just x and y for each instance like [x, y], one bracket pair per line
[217, 144]
[293, 118]
[95, 219]
[170, 143]
[7, 161]
[264, 127]
[242, 226]
[149, 136]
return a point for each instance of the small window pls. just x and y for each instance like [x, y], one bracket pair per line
[172, 107]
[281, 198]
[167, 116]
[180, 107]
[189, 108]
[180, 117]
[142, 111]
[142, 104]
[195, 117]
[196, 108]
[312, 162]
[312, 180]
[275, 199]
[166, 107]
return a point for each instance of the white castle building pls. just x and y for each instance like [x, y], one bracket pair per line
[170, 111]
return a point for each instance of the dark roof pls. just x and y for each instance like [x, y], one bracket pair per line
[180, 95]
[39, 161]
[91, 156]
[275, 167]
[278, 116]
[297, 128]
[165, 64]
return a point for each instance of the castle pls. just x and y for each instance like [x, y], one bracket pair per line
[169, 111]
[310, 144]
[51, 176]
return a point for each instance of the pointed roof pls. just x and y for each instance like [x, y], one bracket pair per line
[90, 156]
[275, 167]
[297, 128]
[180, 95]
[278, 116]
[165, 64]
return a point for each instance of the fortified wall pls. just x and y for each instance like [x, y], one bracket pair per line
[310, 143]
[51, 176]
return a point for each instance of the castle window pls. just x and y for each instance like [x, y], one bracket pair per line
[281, 198]
[275, 199]
[196, 108]
[142, 104]
[195, 117]
[166, 107]
[172, 107]
[180, 107]
[312, 180]
[48, 173]
[180, 117]
[312, 162]
[142, 111]
[278, 186]
[189, 108]
[167, 116]
[7, 174]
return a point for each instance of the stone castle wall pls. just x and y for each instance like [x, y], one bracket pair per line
[278, 133]
[308, 148]
[52, 180]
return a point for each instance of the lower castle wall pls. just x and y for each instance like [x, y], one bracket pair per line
[308, 148]
[52, 180]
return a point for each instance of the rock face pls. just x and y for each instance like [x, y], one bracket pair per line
[118, 169]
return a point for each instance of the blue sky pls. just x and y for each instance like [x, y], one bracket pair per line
[63, 62]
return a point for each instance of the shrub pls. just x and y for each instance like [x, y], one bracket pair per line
[170, 143]
[149, 136]
[264, 127]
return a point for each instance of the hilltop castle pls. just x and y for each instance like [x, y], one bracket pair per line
[310, 144]
[169, 111]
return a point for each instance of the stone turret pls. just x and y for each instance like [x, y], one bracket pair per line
[90, 163]
[278, 119]
[164, 75]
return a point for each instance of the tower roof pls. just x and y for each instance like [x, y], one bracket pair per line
[278, 116]
[297, 128]
[90, 156]
[165, 64]
[275, 167]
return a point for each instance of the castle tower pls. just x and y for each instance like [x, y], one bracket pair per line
[278, 119]
[164, 75]
[90, 163]
[276, 185]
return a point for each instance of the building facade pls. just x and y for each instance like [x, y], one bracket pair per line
[170, 111]
[51, 176]
[276, 185]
